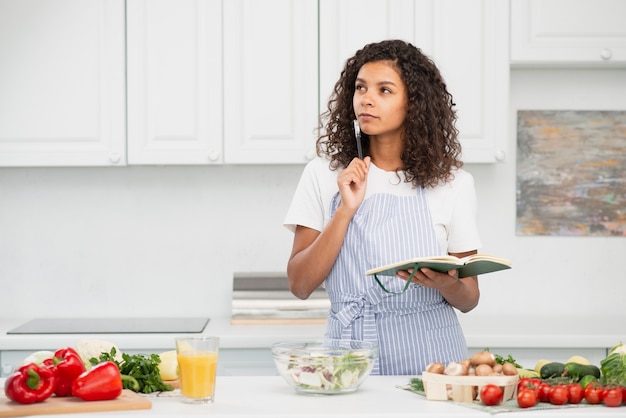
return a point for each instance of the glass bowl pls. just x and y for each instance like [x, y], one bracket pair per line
[325, 366]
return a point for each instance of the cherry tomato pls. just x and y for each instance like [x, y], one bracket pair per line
[576, 393]
[558, 395]
[491, 395]
[527, 398]
[544, 390]
[593, 394]
[523, 383]
[612, 396]
[535, 382]
[529, 383]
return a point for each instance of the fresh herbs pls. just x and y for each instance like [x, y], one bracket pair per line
[417, 385]
[509, 359]
[143, 368]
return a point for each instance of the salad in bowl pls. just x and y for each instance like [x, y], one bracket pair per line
[325, 366]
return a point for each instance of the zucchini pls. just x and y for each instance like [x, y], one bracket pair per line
[552, 369]
[578, 371]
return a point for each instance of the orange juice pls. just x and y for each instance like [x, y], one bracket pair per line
[197, 373]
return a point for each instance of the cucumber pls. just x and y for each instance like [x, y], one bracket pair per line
[553, 369]
[578, 371]
[585, 380]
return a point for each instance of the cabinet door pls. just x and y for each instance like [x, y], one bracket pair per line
[466, 38]
[471, 47]
[348, 25]
[174, 81]
[62, 83]
[270, 81]
[568, 32]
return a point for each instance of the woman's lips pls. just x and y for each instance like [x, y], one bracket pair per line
[365, 117]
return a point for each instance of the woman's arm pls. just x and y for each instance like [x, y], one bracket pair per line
[313, 255]
[314, 252]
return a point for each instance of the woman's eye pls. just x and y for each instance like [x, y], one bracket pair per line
[385, 90]
[359, 87]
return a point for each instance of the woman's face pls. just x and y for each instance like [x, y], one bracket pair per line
[380, 99]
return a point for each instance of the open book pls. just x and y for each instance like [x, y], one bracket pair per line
[472, 265]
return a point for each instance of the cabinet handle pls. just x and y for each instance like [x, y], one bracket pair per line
[310, 155]
[6, 370]
[115, 157]
[606, 54]
[214, 156]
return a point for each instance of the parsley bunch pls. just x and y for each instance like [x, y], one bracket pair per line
[143, 368]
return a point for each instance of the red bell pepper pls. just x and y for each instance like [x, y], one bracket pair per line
[30, 383]
[102, 382]
[68, 366]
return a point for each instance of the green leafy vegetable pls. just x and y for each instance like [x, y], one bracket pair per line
[509, 359]
[417, 384]
[328, 372]
[613, 367]
[143, 368]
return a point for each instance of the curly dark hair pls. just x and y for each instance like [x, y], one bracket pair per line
[431, 148]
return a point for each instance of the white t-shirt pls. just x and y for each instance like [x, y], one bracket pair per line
[452, 205]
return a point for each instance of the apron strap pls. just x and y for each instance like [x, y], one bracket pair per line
[406, 286]
[356, 307]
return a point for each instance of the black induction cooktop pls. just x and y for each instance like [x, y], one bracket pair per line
[112, 326]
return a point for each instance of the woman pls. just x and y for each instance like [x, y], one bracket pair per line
[408, 197]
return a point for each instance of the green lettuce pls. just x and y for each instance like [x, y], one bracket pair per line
[613, 367]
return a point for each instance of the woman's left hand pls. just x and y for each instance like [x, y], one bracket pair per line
[430, 278]
[463, 294]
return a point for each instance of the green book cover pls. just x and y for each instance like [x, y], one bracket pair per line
[468, 266]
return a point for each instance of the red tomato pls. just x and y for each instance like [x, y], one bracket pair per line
[624, 394]
[544, 390]
[593, 394]
[526, 398]
[523, 383]
[576, 393]
[491, 395]
[612, 396]
[559, 395]
[529, 383]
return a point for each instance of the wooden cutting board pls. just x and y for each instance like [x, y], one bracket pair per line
[128, 400]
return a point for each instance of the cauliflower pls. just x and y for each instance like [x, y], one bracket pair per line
[88, 349]
[37, 357]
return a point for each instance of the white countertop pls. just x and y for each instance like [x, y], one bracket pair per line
[502, 331]
[378, 397]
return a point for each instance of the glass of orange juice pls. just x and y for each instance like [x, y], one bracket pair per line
[197, 366]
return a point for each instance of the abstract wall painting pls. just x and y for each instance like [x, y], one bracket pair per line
[571, 173]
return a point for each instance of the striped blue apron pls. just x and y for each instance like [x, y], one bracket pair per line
[413, 329]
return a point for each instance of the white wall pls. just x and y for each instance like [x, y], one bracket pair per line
[551, 275]
[156, 241]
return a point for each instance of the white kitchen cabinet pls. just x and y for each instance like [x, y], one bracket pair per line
[568, 33]
[270, 81]
[174, 81]
[62, 83]
[222, 82]
[468, 40]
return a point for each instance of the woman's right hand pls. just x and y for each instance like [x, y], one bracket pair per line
[352, 183]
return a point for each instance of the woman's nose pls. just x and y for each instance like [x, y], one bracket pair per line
[365, 99]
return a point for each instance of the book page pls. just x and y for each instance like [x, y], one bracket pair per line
[485, 257]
